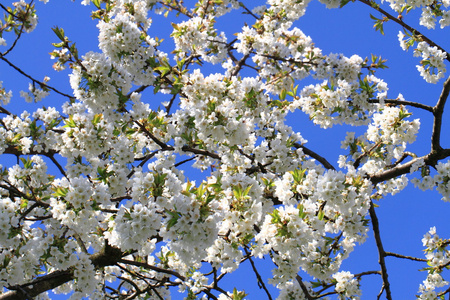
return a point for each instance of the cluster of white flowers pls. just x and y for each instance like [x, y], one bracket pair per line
[23, 8]
[5, 96]
[437, 256]
[124, 41]
[63, 56]
[84, 135]
[34, 94]
[97, 84]
[197, 36]
[315, 205]
[291, 9]
[390, 128]
[430, 14]
[384, 143]
[127, 231]
[432, 67]
[216, 113]
[269, 42]
[441, 180]
[292, 290]
[431, 11]
[328, 103]
[18, 130]
[347, 285]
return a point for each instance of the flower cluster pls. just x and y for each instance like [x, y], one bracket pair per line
[437, 257]
[197, 36]
[5, 96]
[441, 180]
[123, 40]
[34, 93]
[346, 285]
[432, 67]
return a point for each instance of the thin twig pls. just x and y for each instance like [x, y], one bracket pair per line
[249, 11]
[404, 102]
[150, 267]
[258, 276]
[381, 252]
[404, 25]
[316, 156]
[405, 256]
[184, 161]
[33, 79]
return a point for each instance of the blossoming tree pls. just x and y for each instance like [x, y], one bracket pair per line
[97, 202]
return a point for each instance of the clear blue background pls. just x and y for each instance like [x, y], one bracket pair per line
[404, 218]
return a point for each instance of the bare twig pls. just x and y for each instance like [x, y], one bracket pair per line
[405, 256]
[33, 79]
[381, 252]
[248, 11]
[316, 156]
[150, 267]
[258, 276]
[404, 102]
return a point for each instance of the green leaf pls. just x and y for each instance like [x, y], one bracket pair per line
[238, 295]
[96, 3]
[97, 118]
[70, 123]
[275, 217]
[58, 45]
[23, 203]
[59, 33]
[283, 94]
[321, 215]
[60, 192]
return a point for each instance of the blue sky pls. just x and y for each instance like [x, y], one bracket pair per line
[404, 218]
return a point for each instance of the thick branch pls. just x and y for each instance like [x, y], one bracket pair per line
[438, 110]
[14, 151]
[107, 257]
[304, 288]
[38, 286]
[430, 159]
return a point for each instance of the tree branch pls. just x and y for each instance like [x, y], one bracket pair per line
[32, 79]
[316, 156]
[404, 102]
[381, 252]
[150, 267]
[38, 286]
[438, 110]
[304, 288]
[414, 31]
[107, 257]
[258, 276]
[405, 256]
[430, 159]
